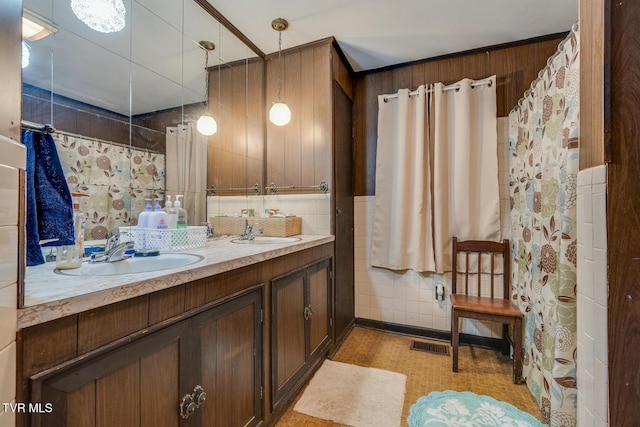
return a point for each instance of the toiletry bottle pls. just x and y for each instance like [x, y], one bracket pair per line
[159, 222]
[79, 222]
[70, 256]
[143, 217]
[171, 212]
[181, 212]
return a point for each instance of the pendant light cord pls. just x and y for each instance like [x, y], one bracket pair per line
[206, 80]
[281, 65]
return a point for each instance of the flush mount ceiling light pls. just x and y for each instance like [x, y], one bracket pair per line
[35, 27]
[279, 114]
[206, 124]
[26, 54]
[105, 16]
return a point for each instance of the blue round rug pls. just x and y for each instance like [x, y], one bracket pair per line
[455, 408]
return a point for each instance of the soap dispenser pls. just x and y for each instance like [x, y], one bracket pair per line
[143, 217]
[171, 212]
[181, 212]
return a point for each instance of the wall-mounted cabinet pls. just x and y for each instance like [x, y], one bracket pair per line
[301, 327]
[204, 370]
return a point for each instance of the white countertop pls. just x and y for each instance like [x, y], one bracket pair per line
[49, 295]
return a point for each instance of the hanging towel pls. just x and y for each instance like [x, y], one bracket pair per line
[49, 203]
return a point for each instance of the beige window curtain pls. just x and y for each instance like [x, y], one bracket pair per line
[436, 175]
[186, 166]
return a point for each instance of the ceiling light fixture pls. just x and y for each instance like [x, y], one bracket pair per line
[279, 114]
[35, 27]
[26, 54]
[206, 124]
[105, 16]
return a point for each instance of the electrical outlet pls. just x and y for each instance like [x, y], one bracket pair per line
[439, 292]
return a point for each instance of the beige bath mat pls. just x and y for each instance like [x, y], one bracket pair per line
[353, 395]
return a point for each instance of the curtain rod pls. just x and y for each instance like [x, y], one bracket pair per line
[488, 82]
[40, 127]
[48, 128]
[104, 141]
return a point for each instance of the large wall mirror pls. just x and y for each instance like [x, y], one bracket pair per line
[125, 105]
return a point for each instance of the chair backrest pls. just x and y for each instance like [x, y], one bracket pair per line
[480, 247]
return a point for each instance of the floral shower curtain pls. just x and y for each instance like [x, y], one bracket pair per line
[543, 144]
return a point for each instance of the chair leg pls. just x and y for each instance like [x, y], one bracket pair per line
[505, 341]
[455, 339]
[517, 351]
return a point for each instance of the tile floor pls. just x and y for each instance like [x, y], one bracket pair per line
[480, 371]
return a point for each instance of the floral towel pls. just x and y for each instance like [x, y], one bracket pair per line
[454, 408]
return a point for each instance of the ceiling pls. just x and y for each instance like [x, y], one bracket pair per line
[378, 33]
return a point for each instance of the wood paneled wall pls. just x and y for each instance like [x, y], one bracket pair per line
[623, 214]
[594, 141]
[236, 151]
[515, 67]
[300, 153]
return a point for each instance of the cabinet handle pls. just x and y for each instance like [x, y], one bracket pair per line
[199, 395]
[190, 402]
[187, 406]
[307, 312]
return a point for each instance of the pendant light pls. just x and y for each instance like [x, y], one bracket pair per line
[206, 124]
[279, 114]
[105, 16]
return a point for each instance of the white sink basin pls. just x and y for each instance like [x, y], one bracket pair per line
[259, 240]
[134, 265]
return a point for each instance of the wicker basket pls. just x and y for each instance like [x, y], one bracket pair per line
[228, 224]
[278, 227]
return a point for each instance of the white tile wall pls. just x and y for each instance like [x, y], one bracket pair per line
[315, 209]
[8, 373]
[409, 298]
[7, 419]
[13, 159]
[592, 376]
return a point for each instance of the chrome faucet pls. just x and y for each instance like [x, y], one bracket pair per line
[210, 230]
[250, 233]
[114, 250]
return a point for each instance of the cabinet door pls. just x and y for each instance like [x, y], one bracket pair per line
[319, 297]
[288, 333]
[138, 384]
[228, 347]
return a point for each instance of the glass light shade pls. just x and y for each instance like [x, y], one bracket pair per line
[25, 55]
[207, 125]
[35, 27]
[279, 114]
[105, 16]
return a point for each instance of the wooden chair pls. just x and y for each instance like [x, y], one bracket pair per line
[471, 305]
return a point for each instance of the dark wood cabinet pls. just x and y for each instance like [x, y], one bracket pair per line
[132, 362]
[301, 327]
[144, 381]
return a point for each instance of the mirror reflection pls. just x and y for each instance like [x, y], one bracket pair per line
[125, 104]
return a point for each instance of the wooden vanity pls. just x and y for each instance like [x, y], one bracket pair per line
[226, 342]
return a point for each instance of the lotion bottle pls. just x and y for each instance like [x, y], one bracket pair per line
[171, 212]
[143, 217]
[181, 212]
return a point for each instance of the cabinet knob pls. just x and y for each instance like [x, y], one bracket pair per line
[187, 406]
[199, 395]
[307, 312]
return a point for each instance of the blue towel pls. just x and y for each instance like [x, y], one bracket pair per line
[49, 203]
